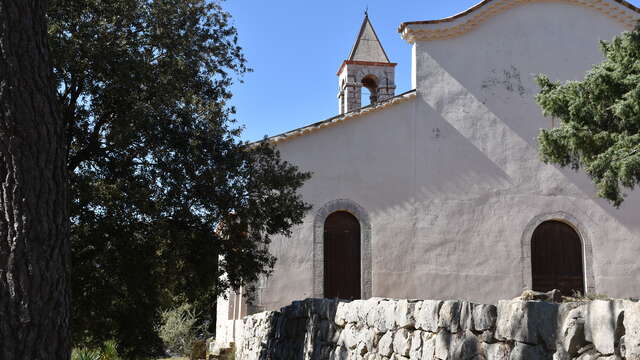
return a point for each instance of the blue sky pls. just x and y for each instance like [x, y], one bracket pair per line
[296, 46]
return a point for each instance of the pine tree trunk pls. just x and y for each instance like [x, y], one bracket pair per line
[34, 245]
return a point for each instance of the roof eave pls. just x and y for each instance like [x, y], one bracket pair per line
[464, 21]
[276, 139]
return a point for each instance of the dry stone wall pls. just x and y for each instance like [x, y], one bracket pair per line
[428, 329]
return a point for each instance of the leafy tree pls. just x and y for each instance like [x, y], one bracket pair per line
[161, 187]
[34, 221]
[599, 128]
[179, 329]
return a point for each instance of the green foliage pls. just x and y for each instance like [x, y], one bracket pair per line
[109, 351]
[599, 116]
[85, 354]
[161, 187]
[179, 329]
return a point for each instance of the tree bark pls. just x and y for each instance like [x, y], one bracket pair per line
[34, 223]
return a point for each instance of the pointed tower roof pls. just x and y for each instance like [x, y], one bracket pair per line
[368, 46]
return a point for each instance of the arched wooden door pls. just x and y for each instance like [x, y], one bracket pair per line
[342, 256]
[556, 258]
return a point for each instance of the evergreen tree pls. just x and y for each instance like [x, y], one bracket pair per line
[599, 129]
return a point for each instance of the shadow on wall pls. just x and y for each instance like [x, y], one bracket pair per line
[480, 125]
[499, 86]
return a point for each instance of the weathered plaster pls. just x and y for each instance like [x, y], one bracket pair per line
[318, 244]
[450, 175]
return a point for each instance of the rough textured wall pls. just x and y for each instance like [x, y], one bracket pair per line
[431, 329]
[481, 86]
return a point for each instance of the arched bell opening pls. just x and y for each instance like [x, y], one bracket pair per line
[369, 89]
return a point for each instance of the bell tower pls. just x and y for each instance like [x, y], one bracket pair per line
[368, 66]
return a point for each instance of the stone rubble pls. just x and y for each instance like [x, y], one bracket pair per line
[388, 329]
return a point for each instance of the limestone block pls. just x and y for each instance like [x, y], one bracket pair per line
[320, 351]
[443, 339]
[552, 296]
[341, 313]
[484, 317]
[560, 354]
[289, 327]
[487, 336]
[361, 349]
[385, 345]
[632, 330]
[339, 353]
[402, 342]
[572, 334]
[415, 352]
[368, 306]
[349, 337]
[368, 337]
[601, 321]
[449, 317]
[531, 322]
[466, 315]
[522, 351]
[374, 315]
[589, 355]
[467, 347]
[497, 351]
[585, 348]
[428, 345]
[325, 330]
[427, 315]
[318, 307]
[353, 311]
[404, 314]
[398, 357]
[377, 316]
[336, 335]
[390, 314]
[445, 343]
[610, 357]
[374, 356]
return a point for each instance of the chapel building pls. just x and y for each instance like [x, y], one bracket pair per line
[439, 192]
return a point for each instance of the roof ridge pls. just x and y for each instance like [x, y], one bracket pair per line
[339, 118]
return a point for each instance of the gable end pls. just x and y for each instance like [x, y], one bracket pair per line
[456, 25]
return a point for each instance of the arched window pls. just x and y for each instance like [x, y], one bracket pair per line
[342, 256]
[370, 83]
[556, 258]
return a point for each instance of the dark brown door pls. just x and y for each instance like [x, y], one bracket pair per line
[342, 256]
[556, 258]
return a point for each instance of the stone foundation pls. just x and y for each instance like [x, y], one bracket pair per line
[415, 329]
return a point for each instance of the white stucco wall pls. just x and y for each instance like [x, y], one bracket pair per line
[451, 180]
